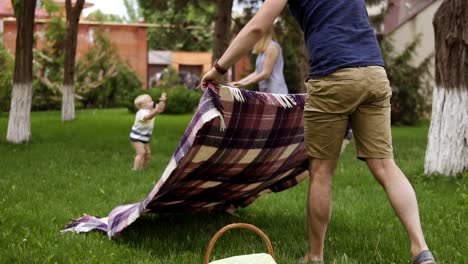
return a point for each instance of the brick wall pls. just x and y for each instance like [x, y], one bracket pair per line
[131, 40]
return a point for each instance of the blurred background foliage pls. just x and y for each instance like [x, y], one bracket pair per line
[104, 79]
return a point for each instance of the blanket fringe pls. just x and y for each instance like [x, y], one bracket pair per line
[283, 100]
[235, 93]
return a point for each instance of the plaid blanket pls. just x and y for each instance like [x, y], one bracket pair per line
[239, 145]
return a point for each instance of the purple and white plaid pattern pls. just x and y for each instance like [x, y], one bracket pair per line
[239, 145]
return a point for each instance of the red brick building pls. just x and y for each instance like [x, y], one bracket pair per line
[131, 39]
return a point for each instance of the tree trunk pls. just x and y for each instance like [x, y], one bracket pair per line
[68, 93]
[447, 150]
[19, 123]
[222, 29]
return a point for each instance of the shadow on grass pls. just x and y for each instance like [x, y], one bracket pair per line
[170, 234]
[164, 236]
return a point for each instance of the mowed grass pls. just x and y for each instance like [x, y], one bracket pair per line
[69, 169]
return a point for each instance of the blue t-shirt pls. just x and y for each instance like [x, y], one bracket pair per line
[337, 34]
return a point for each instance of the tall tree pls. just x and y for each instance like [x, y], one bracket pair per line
[68, 94]
[447, 150]
[222, 29]
[182, 24]
[19, 123]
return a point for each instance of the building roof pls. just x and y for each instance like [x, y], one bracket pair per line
[401, 11]
[6, 9]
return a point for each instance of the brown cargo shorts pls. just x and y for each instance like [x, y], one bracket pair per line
[361, 95]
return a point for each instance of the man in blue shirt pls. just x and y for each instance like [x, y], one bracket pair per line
[347, 80]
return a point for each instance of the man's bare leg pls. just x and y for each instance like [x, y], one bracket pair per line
[319, 205]
[403, 199]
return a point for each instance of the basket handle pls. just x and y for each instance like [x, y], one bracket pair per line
[232, 226]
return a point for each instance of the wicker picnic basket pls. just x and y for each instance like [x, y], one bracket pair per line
[260, 258]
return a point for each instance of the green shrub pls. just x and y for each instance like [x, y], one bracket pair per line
[45, 97]
[407, 81]
[103, 79]
[48, 63]
[179, 99]
[6, 76]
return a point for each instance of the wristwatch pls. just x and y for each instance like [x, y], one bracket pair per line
[218, 68]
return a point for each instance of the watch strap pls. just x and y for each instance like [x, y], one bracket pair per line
[218, 67]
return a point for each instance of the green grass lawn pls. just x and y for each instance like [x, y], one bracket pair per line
[69, 169]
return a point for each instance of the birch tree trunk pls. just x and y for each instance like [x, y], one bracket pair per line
[447, 149]
[19, 122]
[68, 93]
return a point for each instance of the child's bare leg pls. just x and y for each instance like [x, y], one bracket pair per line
[147, 156]
[146, 160]
[138, 162]
[140, 155]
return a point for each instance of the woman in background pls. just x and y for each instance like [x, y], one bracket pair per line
[268, 67]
